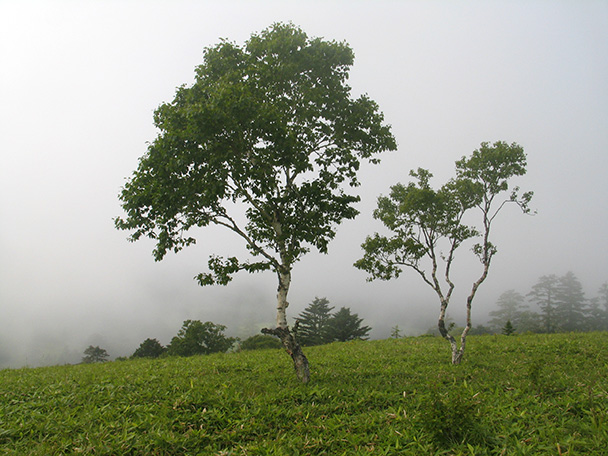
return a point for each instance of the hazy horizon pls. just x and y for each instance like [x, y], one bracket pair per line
[79, 83]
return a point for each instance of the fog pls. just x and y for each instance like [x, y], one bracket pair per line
[79, 82]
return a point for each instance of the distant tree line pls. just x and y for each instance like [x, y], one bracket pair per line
[316, 326]
[553, 304]
[194, 338]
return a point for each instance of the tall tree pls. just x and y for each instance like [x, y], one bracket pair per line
[271, 128]
[427, 225]
[543, 294]
[312, 329]
[570, 304]
[344, 326]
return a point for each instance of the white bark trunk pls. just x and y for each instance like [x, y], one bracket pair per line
[300, 362]
[282, 304]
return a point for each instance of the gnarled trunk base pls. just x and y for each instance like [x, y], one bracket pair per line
[457, 356]
[300, 362]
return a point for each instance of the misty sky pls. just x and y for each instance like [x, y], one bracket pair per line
[79, 82]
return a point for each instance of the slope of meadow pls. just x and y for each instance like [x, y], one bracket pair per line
[518, 395]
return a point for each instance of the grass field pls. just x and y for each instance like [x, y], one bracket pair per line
[518, 395]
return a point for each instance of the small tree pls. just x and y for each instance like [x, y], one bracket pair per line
[312, 329]
[344, 326]
[94, 355]
[196, 338]
[508, 328]
[427, 225]
[265, 144]
[510, 306]
[149, 348]
[395, 332]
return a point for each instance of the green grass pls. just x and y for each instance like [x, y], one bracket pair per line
[518, 395]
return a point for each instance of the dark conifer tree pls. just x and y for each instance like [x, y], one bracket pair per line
[312, 329]
[508, 328]
[510, 305]
[344, 326]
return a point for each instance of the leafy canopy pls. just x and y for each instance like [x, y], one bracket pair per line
[94, 355]
[270, 125]
[425, 222]
[427, 226]
[260, 342]
[197, 338]
[149, 348]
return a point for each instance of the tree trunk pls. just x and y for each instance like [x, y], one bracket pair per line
[282, 304]
[293, 349]
[456, 353]
[457, 356]
[288, 339]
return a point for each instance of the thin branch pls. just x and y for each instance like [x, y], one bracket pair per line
[232, 225]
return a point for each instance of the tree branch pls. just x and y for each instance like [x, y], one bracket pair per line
[232, 225]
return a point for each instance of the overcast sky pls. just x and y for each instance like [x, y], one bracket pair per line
[79, 82]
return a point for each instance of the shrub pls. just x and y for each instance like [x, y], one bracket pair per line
[260, 342]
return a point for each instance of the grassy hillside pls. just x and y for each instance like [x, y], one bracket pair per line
[519, 395]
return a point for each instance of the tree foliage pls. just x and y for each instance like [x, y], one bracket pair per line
[598, 310]
[269, 128]
[557, 304]
[427, 226]
[396, 333]
[512, 307]
[196, 338]
[94, 355]
[271, 125]
[317, 325]
[570, 304]
[344, 326]
[508, 328]
[543, 294]
[260, 342]
[313, 321]
[149, 348]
